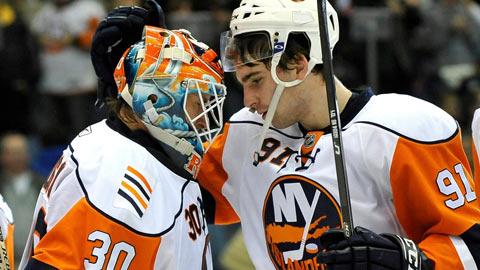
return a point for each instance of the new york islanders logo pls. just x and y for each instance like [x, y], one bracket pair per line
[296, 212]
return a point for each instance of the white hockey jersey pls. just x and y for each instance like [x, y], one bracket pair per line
[112, 203]
[476, 148]
[407, 170]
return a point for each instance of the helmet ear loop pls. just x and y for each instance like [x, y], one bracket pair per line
[273, 71]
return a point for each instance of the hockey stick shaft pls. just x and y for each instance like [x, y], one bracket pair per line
[335, 123]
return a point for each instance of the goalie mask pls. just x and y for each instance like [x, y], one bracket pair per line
[173, 83]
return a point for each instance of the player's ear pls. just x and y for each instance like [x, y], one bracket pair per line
[301, 66]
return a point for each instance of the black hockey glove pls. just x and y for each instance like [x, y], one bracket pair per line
[368, 250]
[122, 27]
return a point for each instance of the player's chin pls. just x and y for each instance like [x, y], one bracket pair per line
[281, 124]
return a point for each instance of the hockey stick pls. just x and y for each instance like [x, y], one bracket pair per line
[334, 115]
[4, 263]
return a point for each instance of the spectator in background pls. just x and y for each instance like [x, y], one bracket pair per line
[199, 23]
[19, 185]
[450, 32]
[206, 23]
[27, 8]
[67, 86]
[19, 69]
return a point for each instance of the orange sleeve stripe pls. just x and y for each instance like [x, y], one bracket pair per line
[9, 244]
[141, 177]
[212, 176]
[135, 193]
[419, 203]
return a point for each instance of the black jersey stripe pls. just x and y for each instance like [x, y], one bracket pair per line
[472, 240]
[130, 200]
[137, 184]
[409, 138]
[261, 124]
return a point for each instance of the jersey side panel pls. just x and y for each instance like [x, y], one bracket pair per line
[103, 242]
[9, 245]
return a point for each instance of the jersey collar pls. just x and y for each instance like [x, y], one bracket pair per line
[355, 104]
[157, 149]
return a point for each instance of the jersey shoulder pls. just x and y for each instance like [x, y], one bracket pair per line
[124, 181]
[408, 117]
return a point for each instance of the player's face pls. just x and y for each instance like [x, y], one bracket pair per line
[193, 107]
[258, 88]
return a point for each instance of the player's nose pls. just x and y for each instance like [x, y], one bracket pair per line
[249, 98]
[201, 123]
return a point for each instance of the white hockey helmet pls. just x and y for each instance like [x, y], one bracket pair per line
[278, 18]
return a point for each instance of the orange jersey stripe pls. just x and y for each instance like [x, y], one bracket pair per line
[212, 177]
[9, 244]
[135, 193]
[139, 175]
[84, 235]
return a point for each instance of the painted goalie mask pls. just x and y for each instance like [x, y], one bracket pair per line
[174, 84]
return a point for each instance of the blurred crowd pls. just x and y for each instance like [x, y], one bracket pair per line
[425, 48]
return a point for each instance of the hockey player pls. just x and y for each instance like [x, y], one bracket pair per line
[6, 238]
[122, 196]
[409, 176]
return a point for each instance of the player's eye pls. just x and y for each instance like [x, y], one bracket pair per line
[255, 81]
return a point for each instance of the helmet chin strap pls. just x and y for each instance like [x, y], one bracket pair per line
[179, 144]
[274, 102]
[268, 120]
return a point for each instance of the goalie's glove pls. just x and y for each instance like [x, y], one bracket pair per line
[368, 250]
[122, 27]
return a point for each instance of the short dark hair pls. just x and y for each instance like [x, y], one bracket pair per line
[114, 105]
[255, 45]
